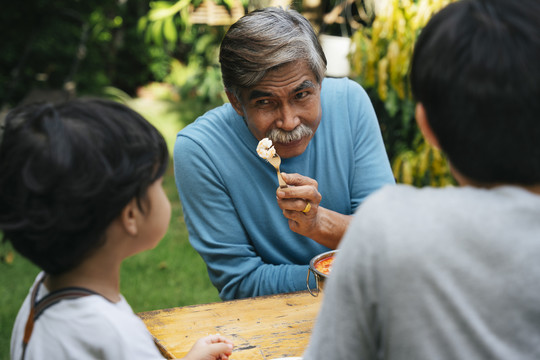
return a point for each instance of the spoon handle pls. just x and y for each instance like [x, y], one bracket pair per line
[282, 183]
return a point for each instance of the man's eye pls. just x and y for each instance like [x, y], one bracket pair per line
[263, 102]
[301, 95]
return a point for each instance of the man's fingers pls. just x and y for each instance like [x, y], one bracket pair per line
[299, 180]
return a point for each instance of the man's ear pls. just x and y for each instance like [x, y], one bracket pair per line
[235, 103]
[128, 218]
[425, 128]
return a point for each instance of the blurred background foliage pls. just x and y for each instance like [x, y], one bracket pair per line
[380, 61]
[67, 46]
[164, 55]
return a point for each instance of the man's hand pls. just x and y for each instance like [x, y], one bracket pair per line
[300, 204]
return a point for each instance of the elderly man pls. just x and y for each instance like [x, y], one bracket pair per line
[257, 240]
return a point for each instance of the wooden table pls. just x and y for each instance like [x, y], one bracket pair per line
[264, 327]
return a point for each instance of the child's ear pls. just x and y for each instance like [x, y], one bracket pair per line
[235, 103]
[425, 128]
[128, 218]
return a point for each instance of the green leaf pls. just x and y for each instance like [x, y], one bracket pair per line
[160, 4]
[162, 9]
[229, 3]
[156, 28]
[142, 23]
[169, 30]
[392, 104]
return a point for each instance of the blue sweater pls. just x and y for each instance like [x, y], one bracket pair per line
[228, 192]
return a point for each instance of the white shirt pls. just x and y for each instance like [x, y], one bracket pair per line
[89, 327]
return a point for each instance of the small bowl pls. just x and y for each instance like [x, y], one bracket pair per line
[320, 277]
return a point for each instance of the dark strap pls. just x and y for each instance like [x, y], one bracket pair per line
[38, 307]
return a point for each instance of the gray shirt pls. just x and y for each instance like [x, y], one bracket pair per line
[447, 273]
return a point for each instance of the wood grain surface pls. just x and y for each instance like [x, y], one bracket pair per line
[265, 327]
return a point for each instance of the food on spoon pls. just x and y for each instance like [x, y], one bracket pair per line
[265, 149]
[324, 265]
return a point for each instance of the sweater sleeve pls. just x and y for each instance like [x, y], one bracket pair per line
[372, 168]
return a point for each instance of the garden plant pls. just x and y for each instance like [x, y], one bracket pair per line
[380, 59]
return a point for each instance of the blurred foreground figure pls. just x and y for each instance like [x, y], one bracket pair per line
[453, 273]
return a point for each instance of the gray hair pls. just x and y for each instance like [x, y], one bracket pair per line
[262, 41]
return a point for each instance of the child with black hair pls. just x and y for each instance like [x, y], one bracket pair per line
[454, 272]
[81, 190]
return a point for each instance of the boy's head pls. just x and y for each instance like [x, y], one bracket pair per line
[476, 72]
[67, 171]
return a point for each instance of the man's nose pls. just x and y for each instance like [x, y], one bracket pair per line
[288, 119]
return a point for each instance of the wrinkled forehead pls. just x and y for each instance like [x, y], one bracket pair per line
[283, 81]
[255, 93]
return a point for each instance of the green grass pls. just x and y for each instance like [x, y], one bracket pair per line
[172, 274]
[16, 280]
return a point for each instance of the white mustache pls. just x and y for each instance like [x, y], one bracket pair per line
[284, 137]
